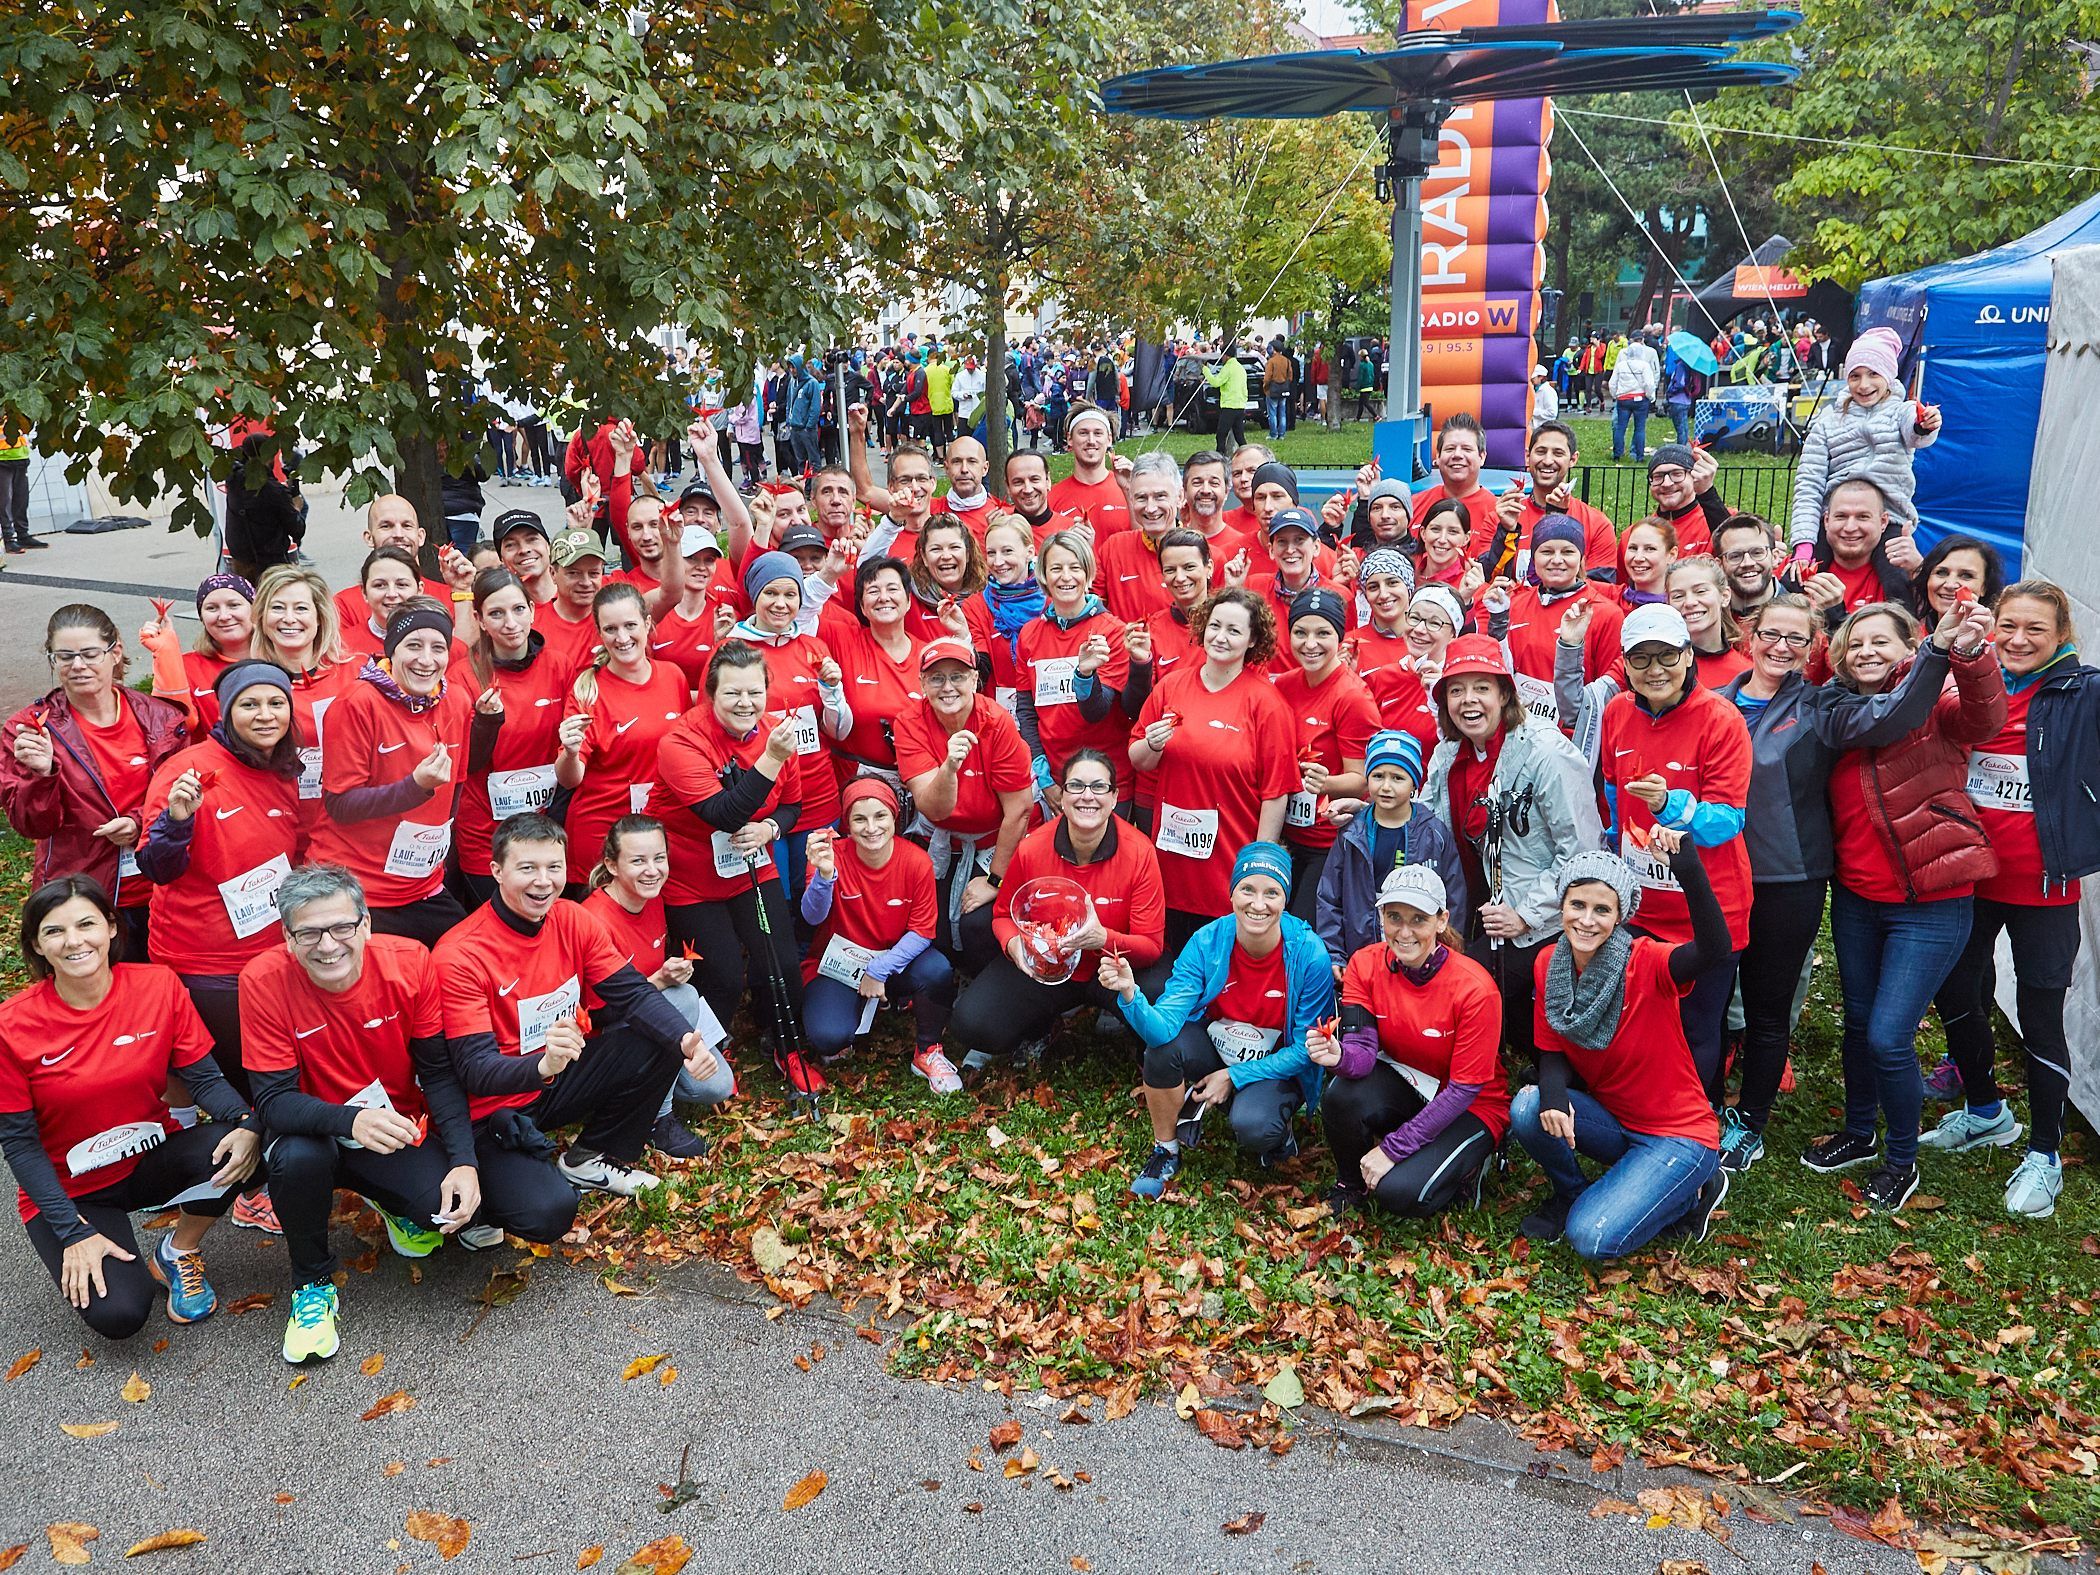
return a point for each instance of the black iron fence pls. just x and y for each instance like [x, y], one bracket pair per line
[1764, 487]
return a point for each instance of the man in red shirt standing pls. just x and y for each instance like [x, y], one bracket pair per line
[345, 1045]
[1246, 460]
[1461, 449]
[1858, 558]
[1126, 573]
[1091, 491]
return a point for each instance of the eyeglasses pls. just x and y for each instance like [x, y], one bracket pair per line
[1746, 555]
[961, 678]
[307, 940]
[93, 653]
[1668, 473]
[1423, 620]
[1638, 663]
[1090, 789]
[1794, 642]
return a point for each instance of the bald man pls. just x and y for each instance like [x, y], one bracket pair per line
[966, 497]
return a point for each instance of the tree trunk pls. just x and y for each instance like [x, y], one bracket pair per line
[420, 477]
[995, 449]
[421, 480]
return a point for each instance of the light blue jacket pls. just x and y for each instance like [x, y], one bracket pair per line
[1199, 979]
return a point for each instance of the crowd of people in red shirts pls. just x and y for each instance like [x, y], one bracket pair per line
[1442, 817]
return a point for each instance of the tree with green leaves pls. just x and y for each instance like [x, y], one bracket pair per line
[331, 217]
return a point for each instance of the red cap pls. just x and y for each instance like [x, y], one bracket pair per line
[946, 649]
[1473, 655]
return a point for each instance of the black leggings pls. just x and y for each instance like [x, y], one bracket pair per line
[217, 998]
[1260, 1113]
[1002, 1008]
[1306, 866]
[1358, 1112]
[425, 920]
[1512, 964]
[170, 1167]
[1784, 918]
[727, 935]
[2044, 947]
[305, 1171]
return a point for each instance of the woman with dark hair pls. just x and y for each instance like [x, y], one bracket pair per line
[389, 580]
[514, 744]
[947, 565]
[87, 1130]
[1073, 667]
[1164, 641]
[879, 656]
[265, 515]
[226, 611]
[1440, 550]
[1957, 566]
[78, 762]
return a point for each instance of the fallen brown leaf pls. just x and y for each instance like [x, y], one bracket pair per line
[437, 1460]
[287, 1498]
[160, 1542]
[931, 1484]
[1075, 1416]
[1684, 1567]
[87, 1360]
[69, 1540]
[1081, 1563]
[643, 1364]
[253, 1301]
[10, 1557]
[1023, 1463]
[389, 1405]
[87, 1429]
[160, 1345]
[449, 1533]
[296, 1382]
[136, 1389]
[1245, 1525]
[372, 1364]
[590, 1555]
[393, 1468]
[805, 1491]
[1220, 1429]
[973, 1508]
[664, 1556]
[1005, 1435]
[24, 1362]
[666, 1376]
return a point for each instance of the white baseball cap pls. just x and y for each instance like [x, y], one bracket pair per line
[1654, 624]
[1414, 886]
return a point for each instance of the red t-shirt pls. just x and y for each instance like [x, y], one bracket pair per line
[312, 698]
[628, 722]
[640, 935]
[1695, 538]
[1864, 865]
[974, 520]
[520, 774]
[2004, 799]
[689, 764]
[494, 980]
[101, 1101]
[873, 909]
[1646, 1076]
[1231, 752]
[1372, 655]
[1100, 503]
[201, 670]
[1862, 584]
[375, 741]
[878, 688]
[1334, 722]
[1448, 1028]
[569, 644]
[1127, 578]
[1405, 703]
[1257, 990]
[1702, 746]
[244, 839]
[341, 1044]
[686, 643]
[1172, 643]
[1716, 668]
[1122, 881]
[998, 763]
[791, 675]
[985, 637]
[1049, 658]
[118, 754]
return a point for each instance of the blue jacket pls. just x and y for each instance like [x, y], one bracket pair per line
[2063, 763]
[1199, 979]
[1346, 910]
[806, 401]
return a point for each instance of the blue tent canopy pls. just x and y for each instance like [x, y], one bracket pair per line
[1975, 334]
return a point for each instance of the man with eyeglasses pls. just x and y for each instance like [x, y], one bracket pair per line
[1681, 481]
[907, 500]
[343, 1041]
[1749, 554]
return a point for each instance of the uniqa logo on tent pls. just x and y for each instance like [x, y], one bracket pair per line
[1990, 313]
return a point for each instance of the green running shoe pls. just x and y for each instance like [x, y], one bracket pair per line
[408, 1239]
[310, 1334]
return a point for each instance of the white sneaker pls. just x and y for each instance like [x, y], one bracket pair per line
[1962, 1129]
[2033, 1190]
[605, 1175]
[479, 1238]
[939, 1072]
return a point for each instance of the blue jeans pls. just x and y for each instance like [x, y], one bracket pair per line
[1277, 408]
[1651, 1182]
[831, 1011]
[465, 530]
[688, 1089]
[1623, 411]
[1892, 958]
[1681, 418]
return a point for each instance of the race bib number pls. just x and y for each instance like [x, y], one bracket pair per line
[845, 962]
[1236, 1041]
[538, 1013]
[127, 863]
[528, 790]
[373, 1096]
[1192, 833]
[1536, 696]
[1301, 809]
[1415, 1078]
[638, 796]
[1054, 678]
[807, 739]
[2000, 782]
[418, 850]
[729, 863]
[310, 757]
[251, 899]
[106, 1148]
[1652, 868]
[1009, 700]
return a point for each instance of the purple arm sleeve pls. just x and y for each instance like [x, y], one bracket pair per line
[1450, 1103]
[1359, 1052]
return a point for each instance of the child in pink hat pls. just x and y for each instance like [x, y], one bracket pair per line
[1866, 434]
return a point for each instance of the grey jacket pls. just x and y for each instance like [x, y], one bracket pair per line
[1847, 442]
[1551, 804]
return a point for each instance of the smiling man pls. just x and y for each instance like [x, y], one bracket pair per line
[1858, 559]
[1550, 459]
[1461, 449]
[1127, 575]
[1091, 492]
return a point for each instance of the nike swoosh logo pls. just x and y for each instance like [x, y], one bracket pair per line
[508, 988]
[624, 726]
[53, 1060]
[388, 749]
[661, 645]
[223, 814]
[1126, 578]
[306, 1033]
[859, 680]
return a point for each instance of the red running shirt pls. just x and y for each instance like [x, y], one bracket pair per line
[1100, 502]
[376, 741]
[520, 774]
[244, 839]
[1122, 882]
[1447, 1029]
[640, 935]
[1257, 991]
[878, 688]
[1334, 721]
[628, 723]
[689, 764]
[1126, 576]
[1049, 665]
[201, 670]
[118, 754]
[340, 1045]
[1702, 746]
[872, 910]
[100, 1101]
[686, 643]
[791, 672]
[1645, 1077]
[1998, 786]
[998, 763]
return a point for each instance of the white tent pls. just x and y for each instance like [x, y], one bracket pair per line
[2062, 546]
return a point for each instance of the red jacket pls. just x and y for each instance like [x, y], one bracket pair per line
[60, 812]
[1917, 808]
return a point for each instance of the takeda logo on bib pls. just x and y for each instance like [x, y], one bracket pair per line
[2001, 765]
[106, 1148]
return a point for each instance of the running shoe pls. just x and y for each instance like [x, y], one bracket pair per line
[599, 1174]
[797, 1071]
[1161, 1168]
[1342, 1199]
[1029, 1053]
[1943, 1082]
[1963, 1129]
[310, 1334]
[1839, 1151]
[673, 1137]
[938, 1070]
[1188, 1125]
[1547, 1222]
[190, 1296]
[1699, 1218]
[2032, 1192]
[254, 1211]
[479, 1238]
[1283, 1153]
[1742, 1145]
[1888, 1189]
[406, 1237]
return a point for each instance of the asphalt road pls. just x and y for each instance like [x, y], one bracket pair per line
[523, 1426]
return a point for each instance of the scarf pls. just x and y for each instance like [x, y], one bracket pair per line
[535, 643]
[1418, 977]
[1631, 597]
[380, 677]
[2013, 685]
[1087, 609]
[750, 633]
[1012, 606]
[1584, 1008]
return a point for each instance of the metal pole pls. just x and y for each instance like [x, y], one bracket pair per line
[1403, 370]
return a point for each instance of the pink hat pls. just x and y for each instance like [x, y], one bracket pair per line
[1877, 350]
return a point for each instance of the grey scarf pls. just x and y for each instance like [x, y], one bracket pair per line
[1584, 1008]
